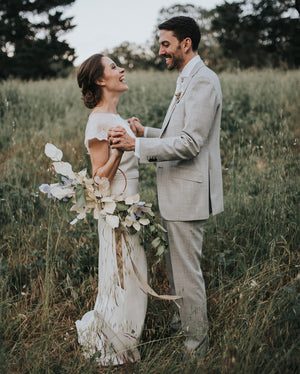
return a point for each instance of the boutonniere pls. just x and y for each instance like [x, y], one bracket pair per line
[178, 95]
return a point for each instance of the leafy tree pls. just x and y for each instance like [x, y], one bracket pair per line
[259, 32]
[29, 39]
[242, 33]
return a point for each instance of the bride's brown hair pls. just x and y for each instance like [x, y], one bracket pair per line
[88, 73]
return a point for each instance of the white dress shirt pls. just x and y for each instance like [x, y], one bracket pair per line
[186, 71]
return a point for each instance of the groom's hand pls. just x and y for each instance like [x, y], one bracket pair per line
[136, 126]
[119, 139]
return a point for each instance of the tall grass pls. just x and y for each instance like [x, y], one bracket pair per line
[48, 269]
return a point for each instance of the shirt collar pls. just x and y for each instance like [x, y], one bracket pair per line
[189, 67]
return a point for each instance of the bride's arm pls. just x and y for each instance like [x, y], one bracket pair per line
[105, 162]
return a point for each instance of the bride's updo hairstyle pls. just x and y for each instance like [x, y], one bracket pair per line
[88, 73]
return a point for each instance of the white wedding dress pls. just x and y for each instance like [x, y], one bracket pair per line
[112, 330]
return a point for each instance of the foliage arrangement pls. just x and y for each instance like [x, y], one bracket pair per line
[92, 195]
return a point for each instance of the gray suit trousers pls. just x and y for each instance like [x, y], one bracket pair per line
[186, 279]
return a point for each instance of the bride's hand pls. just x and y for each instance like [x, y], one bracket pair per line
[115, 132]
[119, 139]
[136, 126]
[117, 151]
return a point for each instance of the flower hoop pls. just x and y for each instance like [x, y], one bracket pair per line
[124, 179]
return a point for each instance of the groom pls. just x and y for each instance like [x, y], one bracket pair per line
[189, 176]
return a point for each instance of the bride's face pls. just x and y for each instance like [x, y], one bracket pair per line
[113, 78]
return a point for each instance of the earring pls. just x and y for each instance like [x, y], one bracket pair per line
[100, 83]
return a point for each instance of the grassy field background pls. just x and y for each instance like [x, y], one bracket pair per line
[48, 269]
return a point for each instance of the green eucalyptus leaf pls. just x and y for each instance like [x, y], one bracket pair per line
[80, 197]
[160, 250]
[121, 207]
[155, 243]
[161, 228]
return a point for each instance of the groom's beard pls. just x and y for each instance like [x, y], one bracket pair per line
[177, 61]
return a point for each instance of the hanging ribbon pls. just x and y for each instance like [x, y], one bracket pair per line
[144, 286]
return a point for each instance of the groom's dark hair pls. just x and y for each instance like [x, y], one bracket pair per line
[183, 27]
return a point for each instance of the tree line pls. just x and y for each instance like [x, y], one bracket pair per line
[247, 33]
[30, 39]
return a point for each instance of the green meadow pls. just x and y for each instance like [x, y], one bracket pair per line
[48, 268]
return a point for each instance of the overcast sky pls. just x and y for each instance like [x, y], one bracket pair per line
[105, 24]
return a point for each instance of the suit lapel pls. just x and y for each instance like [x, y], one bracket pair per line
[174, 101]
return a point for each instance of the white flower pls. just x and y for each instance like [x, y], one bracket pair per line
[102, 186]
[44, 188]
[74, 208]
[144, 221]
[81, 176]
[82, 173]
[64, 168]
[52, 152]
[81, 215]
[109, 207]
[128, 221]
[91, 197]
[137, 226]
[89, 183]
[60, 192]
[96, 212]
[132, 199]
[112, 221]
[75, 220]
[149, 211]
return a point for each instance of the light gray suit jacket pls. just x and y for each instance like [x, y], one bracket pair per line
[187, 150]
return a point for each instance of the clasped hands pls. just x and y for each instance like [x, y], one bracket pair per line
[119, 139]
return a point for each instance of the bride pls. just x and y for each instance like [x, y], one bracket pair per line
[112, 330]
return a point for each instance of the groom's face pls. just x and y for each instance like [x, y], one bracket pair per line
[171, 49]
